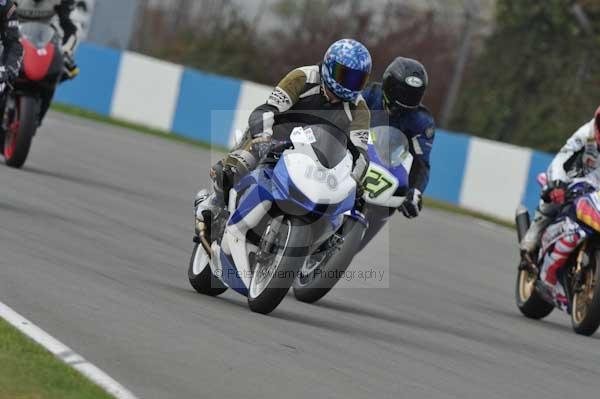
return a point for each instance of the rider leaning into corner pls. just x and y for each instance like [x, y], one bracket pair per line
[329, 92]
[580, 157]
[404, 84]
[45, 10]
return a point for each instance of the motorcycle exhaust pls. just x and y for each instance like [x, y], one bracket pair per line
[201, 237]
[522, 221]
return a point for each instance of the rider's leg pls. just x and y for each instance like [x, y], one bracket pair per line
[227, 172]
[556, 259]
[544, 215]
[3, 98]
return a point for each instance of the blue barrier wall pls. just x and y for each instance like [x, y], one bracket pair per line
[448, 160]
[206, 107]
[203, 98]
[94, 87]
[539, 163]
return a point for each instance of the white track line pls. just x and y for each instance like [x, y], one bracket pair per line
[65, 354]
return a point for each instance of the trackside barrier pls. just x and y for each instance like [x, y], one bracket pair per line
[478, 174]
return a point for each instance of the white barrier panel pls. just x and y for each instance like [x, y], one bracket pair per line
[147, 91]
[495, 177]
[251, 96]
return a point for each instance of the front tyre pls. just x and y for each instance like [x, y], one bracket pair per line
[323, 269]
[22, 126]
[529, 301]
[200, 275]
[585, 314]
[283, 249]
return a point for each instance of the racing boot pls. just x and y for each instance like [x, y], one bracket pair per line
[531, 240]
[207, 207]
[71, 70]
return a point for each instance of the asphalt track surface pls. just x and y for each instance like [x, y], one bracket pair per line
[95, 237]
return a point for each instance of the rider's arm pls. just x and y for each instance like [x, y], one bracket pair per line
[421, 146]
[11, 40]
[359, 137]
[284, 96]
[556, 170]
[64, 10]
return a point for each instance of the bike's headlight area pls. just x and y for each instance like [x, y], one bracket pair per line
[284, 189]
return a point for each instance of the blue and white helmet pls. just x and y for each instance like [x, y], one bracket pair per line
[346, 69]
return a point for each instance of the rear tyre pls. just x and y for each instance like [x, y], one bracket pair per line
[201, 276]
[20, 132]
[319, 276]
[585, 314]
[529, 301]
[283, 250]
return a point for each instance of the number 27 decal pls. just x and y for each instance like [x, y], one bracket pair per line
[376, 183]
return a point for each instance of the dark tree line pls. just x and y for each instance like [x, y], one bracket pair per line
[538, 78]
[214, 35]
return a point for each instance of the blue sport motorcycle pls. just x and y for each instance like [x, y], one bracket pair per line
[291, 204]
[385, 187]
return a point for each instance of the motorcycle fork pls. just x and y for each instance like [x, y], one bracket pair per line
[580, 269]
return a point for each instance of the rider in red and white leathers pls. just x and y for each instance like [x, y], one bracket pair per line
[579, 157]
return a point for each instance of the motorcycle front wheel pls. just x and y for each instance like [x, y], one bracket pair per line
[528, 300]
[200, 274]
[23, 124]
[283, 249]
[324, 268]
[585, 314]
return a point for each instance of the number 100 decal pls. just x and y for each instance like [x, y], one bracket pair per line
[321, 176]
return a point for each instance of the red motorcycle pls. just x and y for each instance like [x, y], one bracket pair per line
[42, 70]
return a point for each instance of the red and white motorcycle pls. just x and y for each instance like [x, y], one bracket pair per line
[42, 70]
[579, 276]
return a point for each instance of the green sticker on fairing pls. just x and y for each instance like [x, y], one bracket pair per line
[375, 183]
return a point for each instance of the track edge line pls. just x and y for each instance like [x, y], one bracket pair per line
[65, 354]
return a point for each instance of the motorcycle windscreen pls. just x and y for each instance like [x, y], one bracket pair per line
[330, 146]
[588, 210]
[37, 33]
[391, 144]
[329, 143]
[390, 148]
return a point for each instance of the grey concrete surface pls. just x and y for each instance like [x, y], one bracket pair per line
[95, 237]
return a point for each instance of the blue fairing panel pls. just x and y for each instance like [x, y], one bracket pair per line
[260, 191]
[231, 276]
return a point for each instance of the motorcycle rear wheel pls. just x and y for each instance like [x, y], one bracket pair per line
[20, 132]
[528, 300]
[284, 248]
[585, 314]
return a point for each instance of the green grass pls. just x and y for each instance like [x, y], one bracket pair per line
[28, 371]
[431, 203]
[444, 206]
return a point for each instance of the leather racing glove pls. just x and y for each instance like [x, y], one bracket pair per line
[413, 203]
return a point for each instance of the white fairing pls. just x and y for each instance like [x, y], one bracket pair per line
[319, 184]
